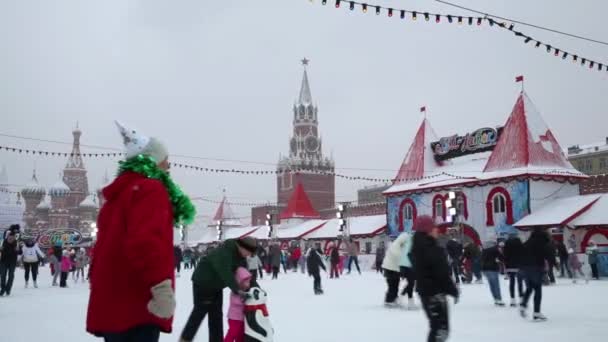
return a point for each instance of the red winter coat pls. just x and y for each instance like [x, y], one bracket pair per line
[133, 252]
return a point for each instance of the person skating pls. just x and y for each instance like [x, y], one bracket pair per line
[490, 259]
[592, 258]
[66, 266]
[81, 263]
[536, 253]
[551, 261]
[132, 274]
[296, 255]
[392, 269]
[380, 254]
[275, 260]
[575, 265]
[179, 258]
[263, 255]
[433, 279]
[513, 253]
[9, 251]
[334, 260]
[55, 261]
[236, 310]
[253, 265]
[32, 255]
[407, 272]
[353, 254]
[315, 264]
[214, 272]
[472, 254]
[564, 265]
[454, 249]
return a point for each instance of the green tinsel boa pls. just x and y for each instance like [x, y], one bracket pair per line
[183, 209]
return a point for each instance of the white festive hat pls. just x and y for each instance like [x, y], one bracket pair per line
[136, 143]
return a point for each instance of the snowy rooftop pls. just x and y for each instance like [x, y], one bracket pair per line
[597, 215]
[590, 148]
[560, 211]
[358, 226]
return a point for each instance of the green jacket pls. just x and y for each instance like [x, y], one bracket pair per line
[216, 270]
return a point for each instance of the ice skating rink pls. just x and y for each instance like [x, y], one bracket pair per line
[351, 310]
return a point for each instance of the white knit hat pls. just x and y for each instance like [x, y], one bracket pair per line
[136, 143]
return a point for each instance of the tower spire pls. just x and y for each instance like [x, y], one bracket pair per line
[75, 160]
[305, 95]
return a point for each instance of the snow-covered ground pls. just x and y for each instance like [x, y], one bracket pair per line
[350, 310]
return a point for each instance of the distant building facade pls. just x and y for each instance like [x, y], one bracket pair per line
[68, 203]
[592, 160]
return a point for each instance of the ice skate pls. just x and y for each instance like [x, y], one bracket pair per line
[478, 281]
[523, 311]
[539, 317]
[35, 285]
[26, 285]
[499, 303]
[513, 303]
[392, 305]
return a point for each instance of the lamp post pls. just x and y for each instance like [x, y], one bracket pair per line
[272, 234]
[94, 231]
[453, 216]
[220, 229]
[342, 220]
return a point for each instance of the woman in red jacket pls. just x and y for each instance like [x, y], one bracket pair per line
[132, 281]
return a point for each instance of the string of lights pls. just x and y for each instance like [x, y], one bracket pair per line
[295, 171]
[404, 14]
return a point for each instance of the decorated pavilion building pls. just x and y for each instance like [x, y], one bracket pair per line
[499, 175]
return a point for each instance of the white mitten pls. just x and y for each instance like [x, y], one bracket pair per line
[162, 304]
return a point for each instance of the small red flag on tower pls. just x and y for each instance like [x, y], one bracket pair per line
[519, 78]
[423, 109]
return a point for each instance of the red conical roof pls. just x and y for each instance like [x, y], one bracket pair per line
[299, 206]
[419, 158]
[526, 141]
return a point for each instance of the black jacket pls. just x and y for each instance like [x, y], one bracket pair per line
[9, 252]
[562, 250]
[431, 267]
[314, 263]
[490, 258]
[177, 252]
[514, 253]
[537, 250]
[471, 251]
[454, 249]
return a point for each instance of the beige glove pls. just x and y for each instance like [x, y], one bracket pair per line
[162, 304]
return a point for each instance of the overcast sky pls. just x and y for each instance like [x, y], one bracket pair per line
[218, 79]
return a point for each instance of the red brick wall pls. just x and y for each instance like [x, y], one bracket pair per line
[321, 189]
[594, 185]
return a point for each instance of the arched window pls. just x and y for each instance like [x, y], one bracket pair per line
[460, 203]
[438, 208]
[499, 204]
[408, 212]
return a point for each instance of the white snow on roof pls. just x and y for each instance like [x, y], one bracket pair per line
[557, 212]
[590, 148]
[597, 215]
[237, 232]
[89, 202]
[360, 225]
[470, 169]
[297, 230]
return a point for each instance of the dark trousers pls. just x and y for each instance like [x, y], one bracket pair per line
[550, 273]
[476, 266]
[334, 272]
[178, 266]
[7, 275]
[144, 333]
[516, 277]
[534, 283]
[317, 281]
[392, 280]
[563, 265]
[354, 259]
[205, 302]
[33, 267]
[594, 271]
[63, 281]
[379, 268]
[275, 272]
[456, 270]
[436, 309]
[409, 275]
[261, 272]
[254, 276]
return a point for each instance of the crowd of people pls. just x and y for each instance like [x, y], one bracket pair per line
[24, 252]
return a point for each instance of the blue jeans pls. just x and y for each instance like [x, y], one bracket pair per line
[492, 277]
